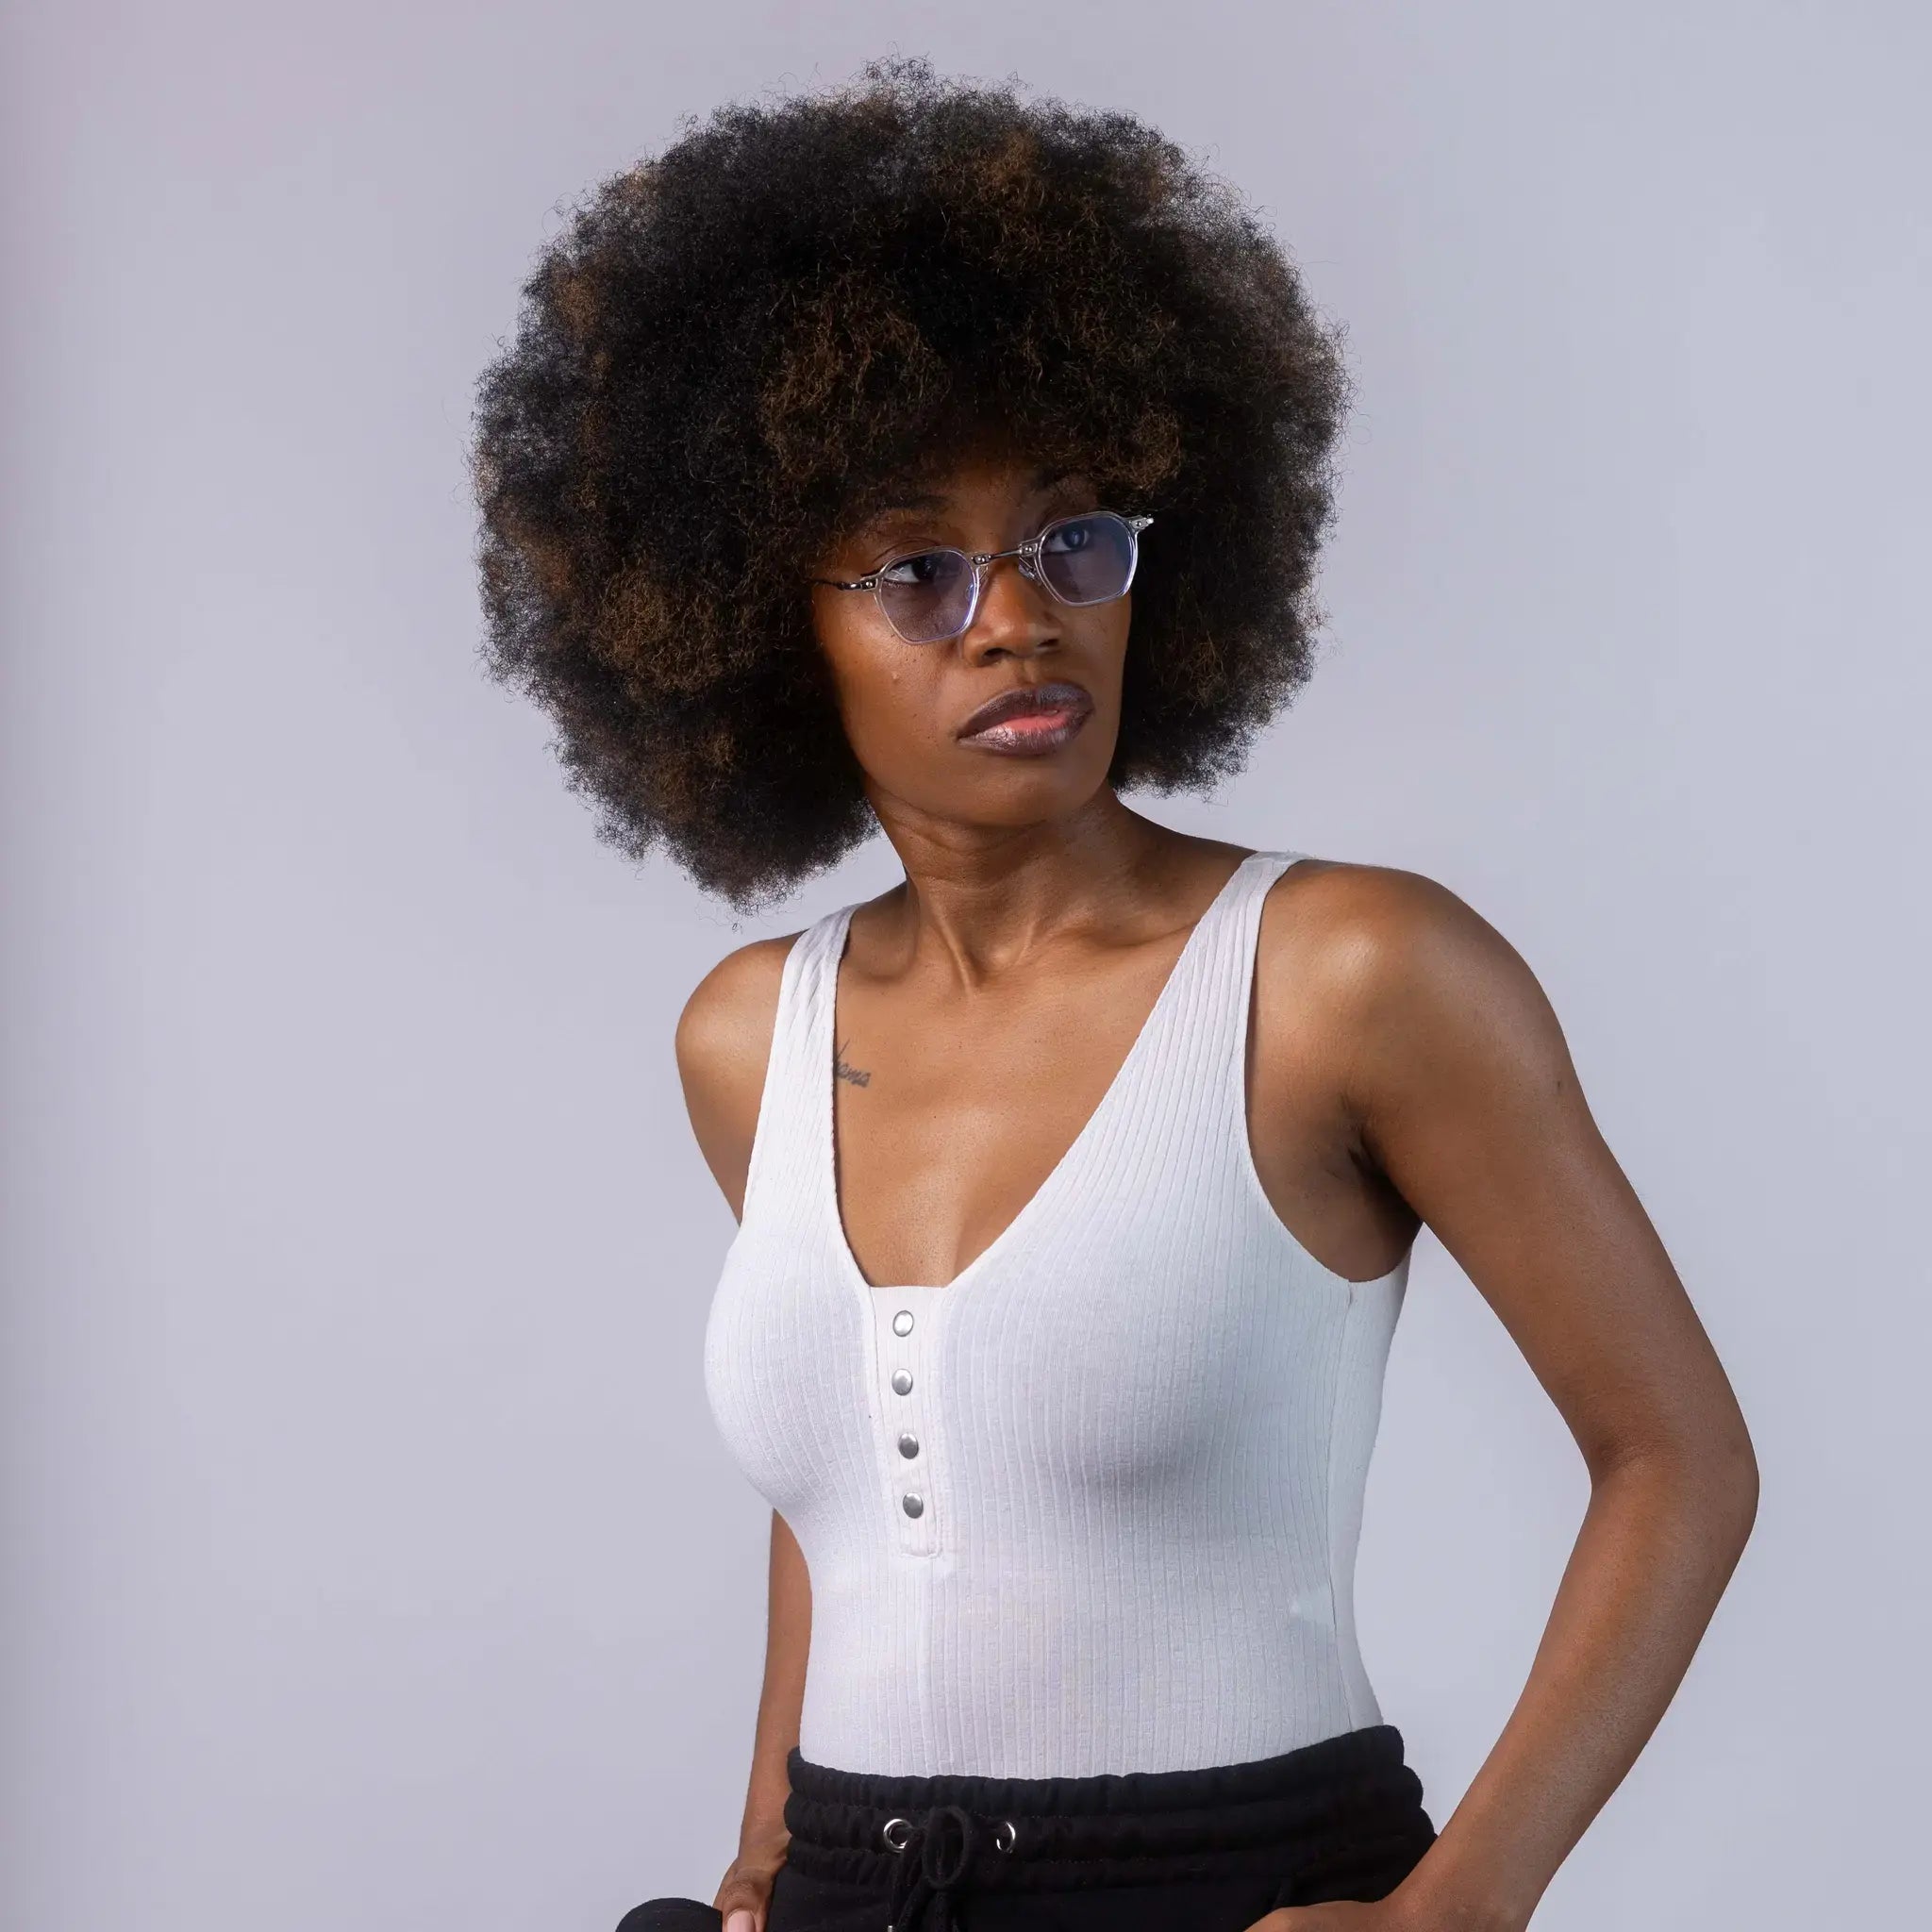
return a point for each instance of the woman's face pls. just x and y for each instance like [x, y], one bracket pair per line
[913, 713]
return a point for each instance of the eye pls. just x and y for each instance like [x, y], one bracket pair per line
[924, 567]
[1076, 534]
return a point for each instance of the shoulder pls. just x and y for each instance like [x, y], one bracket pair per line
[1411, 983]
[725, 1031]
[1369, 921]
[724, 1044]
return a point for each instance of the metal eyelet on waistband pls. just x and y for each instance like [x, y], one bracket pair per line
[1005, 1834]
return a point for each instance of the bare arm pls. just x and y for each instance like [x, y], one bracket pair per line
[746, 1886]
[724, 1040]
[1464, 1096]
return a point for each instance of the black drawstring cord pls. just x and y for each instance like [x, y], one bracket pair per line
[937, 1854]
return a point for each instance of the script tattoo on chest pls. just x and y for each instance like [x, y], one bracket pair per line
[842, 1070]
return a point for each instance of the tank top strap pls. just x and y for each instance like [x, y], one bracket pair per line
[1233, 972]
[798, 1074]
[1195, 1073]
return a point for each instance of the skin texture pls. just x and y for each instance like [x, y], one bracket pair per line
[1404, 1068]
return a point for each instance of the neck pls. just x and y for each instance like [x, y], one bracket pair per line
[988, 897]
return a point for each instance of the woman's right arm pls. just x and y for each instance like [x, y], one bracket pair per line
[723, 1042]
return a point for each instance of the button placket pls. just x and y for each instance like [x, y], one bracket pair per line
[904, 1322]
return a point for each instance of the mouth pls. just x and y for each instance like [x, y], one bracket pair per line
[1028, 720]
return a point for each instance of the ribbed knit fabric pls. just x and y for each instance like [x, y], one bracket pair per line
[1143, 1418]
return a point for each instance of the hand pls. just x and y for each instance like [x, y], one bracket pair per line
[745, 1892]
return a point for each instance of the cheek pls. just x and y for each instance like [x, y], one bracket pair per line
[886, 699]
[893, 718]
[1103, 650]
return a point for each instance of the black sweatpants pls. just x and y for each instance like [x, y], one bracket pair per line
[1208, 1850]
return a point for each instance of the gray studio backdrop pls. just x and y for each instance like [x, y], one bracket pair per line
[372, 1564]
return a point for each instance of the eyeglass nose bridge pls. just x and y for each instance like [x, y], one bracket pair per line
[1027, 555]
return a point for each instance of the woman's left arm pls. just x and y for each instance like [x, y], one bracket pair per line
[1463, 1093]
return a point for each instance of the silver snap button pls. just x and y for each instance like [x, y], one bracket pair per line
[912, 1503]
[908, 1445]
[901, 1381]
[902, 1322]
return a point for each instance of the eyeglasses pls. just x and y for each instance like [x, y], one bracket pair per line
[929, 596]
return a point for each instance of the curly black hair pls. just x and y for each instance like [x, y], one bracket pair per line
[735, 348]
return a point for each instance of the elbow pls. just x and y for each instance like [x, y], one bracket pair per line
[1727, 1465]
[1711, 1477]
[1740, 1476]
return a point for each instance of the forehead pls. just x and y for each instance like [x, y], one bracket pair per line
[969, 484]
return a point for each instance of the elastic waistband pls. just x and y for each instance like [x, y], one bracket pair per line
[1345, 1810]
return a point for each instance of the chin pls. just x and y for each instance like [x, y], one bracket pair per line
[1032, 793]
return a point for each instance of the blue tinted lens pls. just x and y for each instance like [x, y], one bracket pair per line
[1088, 560]
[926, 597]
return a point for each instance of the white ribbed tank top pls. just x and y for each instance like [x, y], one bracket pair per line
[1141, 1421]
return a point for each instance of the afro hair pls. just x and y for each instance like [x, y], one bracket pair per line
[735, 347]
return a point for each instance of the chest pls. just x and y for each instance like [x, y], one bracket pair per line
[952, 1112]
[952, 1109]
[1144, 1355]
[1042, 1278]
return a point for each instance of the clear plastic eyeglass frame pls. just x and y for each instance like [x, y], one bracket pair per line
[1027, 555]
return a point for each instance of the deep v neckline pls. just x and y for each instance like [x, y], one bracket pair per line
[824, 1059]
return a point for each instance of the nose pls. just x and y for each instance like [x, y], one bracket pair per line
[1016, 617]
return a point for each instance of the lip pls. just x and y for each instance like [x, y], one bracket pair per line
[1029, 720]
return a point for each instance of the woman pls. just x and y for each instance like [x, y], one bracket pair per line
[1076, 1174]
